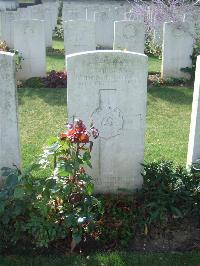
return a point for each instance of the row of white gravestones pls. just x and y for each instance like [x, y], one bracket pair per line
[87, 11]
[117, 83]
[104, 22]
[46, 12]
[80, 36]
[194, 137]
[29, 39]
[116, 80]
[177, 49]
[9, 134]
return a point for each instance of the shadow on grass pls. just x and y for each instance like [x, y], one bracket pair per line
[176, 95]
[49, 95]
[107, 259]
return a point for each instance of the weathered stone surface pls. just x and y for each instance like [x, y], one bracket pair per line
[8, 4]
[7, 27]
[78, 13]
[105, 25]
[104, 29]
[79, 36]
[194, 137]
[9, 134]
[110, 89]
[129, 35]
[177, 49]
[29, 40]
[42, 13]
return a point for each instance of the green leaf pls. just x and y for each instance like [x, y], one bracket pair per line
[76, 237]
[52, 140]
[89, 164]
[176, 212]
[65, 170]
[19, 192]
[86, 156]
[90, 189]
[12, 180]
[2, 207]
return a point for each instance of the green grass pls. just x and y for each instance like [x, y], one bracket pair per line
[58, 44]
[168, 122]
[107, 259]
[58, 62]
[42, 112]
[154, 64]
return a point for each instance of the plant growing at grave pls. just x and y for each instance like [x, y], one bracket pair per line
[59, 30]
[40, 211]
[152, 48]
[196, 51]
[18, 56]
[167, 193]
[55, 79]
[3, 46]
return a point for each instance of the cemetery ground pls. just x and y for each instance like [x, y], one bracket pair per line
[168, 115]
[42, 113]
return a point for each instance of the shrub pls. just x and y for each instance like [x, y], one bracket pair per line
[55, 79]
[168, 192]
[35, 82]
[59, 31]
[152, 48]
[3, 46]
[53, 52]
[196, 52]
[18, 56]
[60, 206]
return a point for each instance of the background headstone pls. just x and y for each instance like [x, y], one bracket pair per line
[9, 134]
[104, 29]
[194, 137]
[79, 36]
[110, 89]
[177, 49]
[7, 27]
[129, 35]
[29, 40]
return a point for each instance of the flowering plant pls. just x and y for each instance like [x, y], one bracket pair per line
[72, 200]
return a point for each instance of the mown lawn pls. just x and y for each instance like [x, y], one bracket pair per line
[107, 259]
[58, 62]
[42, 112]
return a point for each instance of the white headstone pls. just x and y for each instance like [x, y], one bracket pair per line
[79, 36]
[29, 40]
[129, 35]
[177, 49]
[42, 13]
[74, 14]
[104, 29]
[9, 134]
[95, 8]
[194, 137]
[7, 27]
[110, 89]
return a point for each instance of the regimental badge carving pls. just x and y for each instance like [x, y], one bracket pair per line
[108, 118]
[129, 32]
[178, 31]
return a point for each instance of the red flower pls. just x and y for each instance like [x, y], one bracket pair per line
[77, 132]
